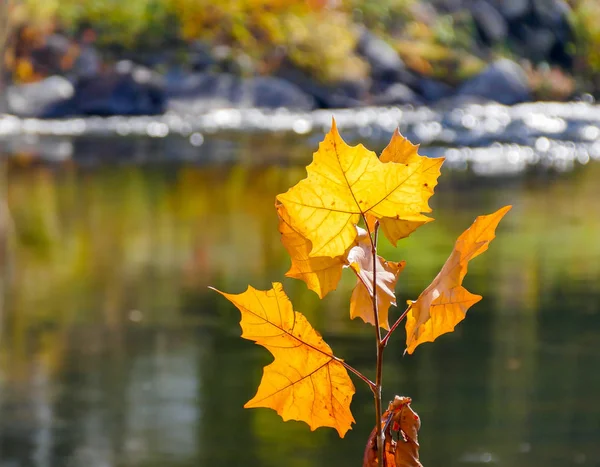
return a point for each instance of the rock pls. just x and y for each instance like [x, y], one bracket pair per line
[203, 91]
[544, 33]
[503, 81]
[433, 90]
[397, 94]
[537, 43]
[88, 63]
[199, 92]
[3, 95]
[271, 92]
[551, 13]
[489, 22]
[385, 63]
[200, 56]
[204, 85]
[38, 99]
[554, 16]
[128, 90]
[47, 58]
[345, 94]
[512, 9]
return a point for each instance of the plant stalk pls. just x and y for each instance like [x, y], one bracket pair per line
[379, 366]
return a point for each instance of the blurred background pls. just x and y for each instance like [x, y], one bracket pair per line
[142, 144]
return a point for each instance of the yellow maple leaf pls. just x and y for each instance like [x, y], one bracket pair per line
[305, 381]
[444, 303]
[345, 183]
[401, 151]
[360, 258]
[321, 274]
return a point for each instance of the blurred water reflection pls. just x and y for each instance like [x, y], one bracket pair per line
[114, 353]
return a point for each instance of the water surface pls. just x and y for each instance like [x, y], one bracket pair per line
[113, 352]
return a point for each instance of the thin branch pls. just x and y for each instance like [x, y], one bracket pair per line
[379, 344]
[384, 341]
[370, 383]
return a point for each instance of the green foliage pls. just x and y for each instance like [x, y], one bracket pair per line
[305, 40]
[384, 16]
[118, 22]
[265, 31]
[317, 36]
[442, 49]
[269, 30]
[586, 24]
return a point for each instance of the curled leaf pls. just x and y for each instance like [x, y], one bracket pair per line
[305, 381]
[407, 447]
[444, 303]
[345, 183]
[360, 258]
[400, 425]
[322, 274]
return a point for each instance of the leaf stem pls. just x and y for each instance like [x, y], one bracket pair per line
[370, 383]
[374, 297]
[384, 341]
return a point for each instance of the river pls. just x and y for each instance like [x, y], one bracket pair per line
[114, 352]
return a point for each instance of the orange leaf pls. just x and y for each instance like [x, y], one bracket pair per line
[321, 274]
[345, 183]
[444, 304]
[407, 448]
[401, 151]
[404, 421]
[361, 262]
[305, 381]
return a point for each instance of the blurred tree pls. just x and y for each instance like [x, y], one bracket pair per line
[586, 24]
[4, 34]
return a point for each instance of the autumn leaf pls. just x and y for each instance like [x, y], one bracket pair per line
[305, 381]
[321, 274]
[401, 151]
[401, 419]
[360, 258]
[405, 418]
[345, 183]
[389, 446]
[444, 303]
